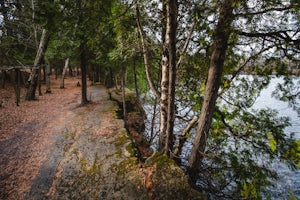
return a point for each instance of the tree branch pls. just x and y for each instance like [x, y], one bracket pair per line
[267, 10]
[186, 44]
[283, 35]
[183, 137]
[146, 55]
[235, 73]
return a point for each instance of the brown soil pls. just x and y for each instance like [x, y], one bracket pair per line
[24, 133]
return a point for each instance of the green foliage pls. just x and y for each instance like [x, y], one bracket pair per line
[249, 191]
[288, 91]
[17, 45]
[292, 196]
[293, 152]
[124, 30]
[245, 142]
[272, 142]
[62, 49]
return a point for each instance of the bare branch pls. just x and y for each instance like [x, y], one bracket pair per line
[183, 137]
[186, 44]
[146, 55]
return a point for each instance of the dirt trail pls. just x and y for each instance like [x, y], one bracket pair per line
[25, 132]
[71, 152]
[84, 154]
[74, 155]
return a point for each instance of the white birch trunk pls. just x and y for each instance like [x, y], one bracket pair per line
[62, 84]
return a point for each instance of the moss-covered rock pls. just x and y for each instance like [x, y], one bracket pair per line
[169, 180]
[161, 176]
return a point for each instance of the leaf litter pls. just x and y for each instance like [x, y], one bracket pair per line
[25, 131]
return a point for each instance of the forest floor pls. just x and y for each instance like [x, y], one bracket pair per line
[25, 131]
[52, 148]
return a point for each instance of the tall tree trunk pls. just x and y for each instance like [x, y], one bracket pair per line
[99, 74]
[3, 79]
[123, 83]
[39, 81]
[16, 79]
[44, 70]
[146, 56]
[222, 33]
[56, 72]
[167, 99]
[164, 85]
[33, 78]
[152, 134]
[172, 12]
[33, 24]
[83, 68]
[135, 80]
[62, 84]
[48, 73]
[70, 70]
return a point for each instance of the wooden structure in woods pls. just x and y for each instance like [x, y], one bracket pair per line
[15, 75]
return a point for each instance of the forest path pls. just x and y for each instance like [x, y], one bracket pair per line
[84, 159]
[53, 149]
[70, 153]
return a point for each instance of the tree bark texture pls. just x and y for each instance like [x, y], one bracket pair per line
[164, 100]
[222, 33]
[182, 139]
[62, 84]
[16, 80]
[135, 80]
[172, 13]
[83, 73]
[123, 95]
[167, 100]
[48, 73]
[33, 78]
[39, 81]
[3, 79]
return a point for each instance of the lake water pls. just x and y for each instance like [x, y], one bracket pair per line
[289, 181]
[265, 100]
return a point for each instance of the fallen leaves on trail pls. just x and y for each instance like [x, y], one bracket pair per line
[13, 116]
[24, 132]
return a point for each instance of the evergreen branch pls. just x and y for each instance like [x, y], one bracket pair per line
[283, 35]
[279, 9]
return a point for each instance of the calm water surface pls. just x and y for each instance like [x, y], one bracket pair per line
[289, 180]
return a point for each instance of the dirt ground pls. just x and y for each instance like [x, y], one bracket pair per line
[53, 149]
[24, 132]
